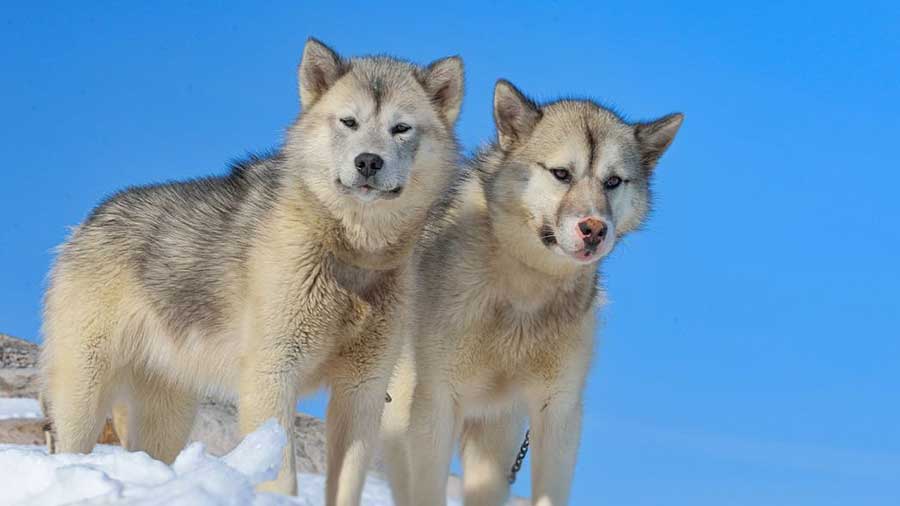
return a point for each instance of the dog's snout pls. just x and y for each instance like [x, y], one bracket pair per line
[368, 164]
[592, 231]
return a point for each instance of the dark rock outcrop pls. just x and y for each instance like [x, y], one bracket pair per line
[18, 367]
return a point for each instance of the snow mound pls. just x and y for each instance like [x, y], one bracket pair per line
[19, 408]
[111, 475]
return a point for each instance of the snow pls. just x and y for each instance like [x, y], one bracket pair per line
[19, 408]
[111, 475]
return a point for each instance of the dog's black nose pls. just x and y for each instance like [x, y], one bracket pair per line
[368, 164]
[592, 231]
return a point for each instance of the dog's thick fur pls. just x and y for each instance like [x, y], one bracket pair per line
[286, 274]
[502, 310]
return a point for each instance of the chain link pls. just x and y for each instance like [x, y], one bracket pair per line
[523, 451]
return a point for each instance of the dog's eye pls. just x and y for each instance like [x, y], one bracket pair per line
[400, 128]
[350, 122]
[612, 182]
[562, 174]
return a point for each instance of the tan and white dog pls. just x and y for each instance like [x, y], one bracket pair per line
[286, 274]
[503, 307]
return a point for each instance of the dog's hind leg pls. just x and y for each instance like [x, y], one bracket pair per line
[489, 447]
[77, 375]
[122, 424]
[163, 416]
[78, 357]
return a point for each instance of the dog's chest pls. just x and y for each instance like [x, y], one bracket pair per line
[330, 302]
[370, 288]
[500, 358]
[513, 340]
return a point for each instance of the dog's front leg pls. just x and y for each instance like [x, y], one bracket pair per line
[270, 392]
[555, 433]
[352, 425]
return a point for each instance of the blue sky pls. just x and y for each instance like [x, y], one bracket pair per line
[750, 351]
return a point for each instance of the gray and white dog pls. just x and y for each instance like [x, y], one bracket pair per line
[502, 310]
[288, 273]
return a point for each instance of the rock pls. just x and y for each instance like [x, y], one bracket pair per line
[310, 451]
[19, 382]
[18, 367]
[25, 431]
[216, 426]
[17, 354]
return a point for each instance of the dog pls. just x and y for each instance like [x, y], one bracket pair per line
[286, 274]
[502, 309]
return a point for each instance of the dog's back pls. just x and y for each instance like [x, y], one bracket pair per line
[156, 263]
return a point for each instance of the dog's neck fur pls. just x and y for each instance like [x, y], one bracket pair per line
[527, 271]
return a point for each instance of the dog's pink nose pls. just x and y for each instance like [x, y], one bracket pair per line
[592, 231]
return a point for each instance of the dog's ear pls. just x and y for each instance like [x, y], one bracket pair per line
[514, 113]
[655, 137]
[443, 80]
[319, 69]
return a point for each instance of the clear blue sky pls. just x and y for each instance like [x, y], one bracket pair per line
[750, 354]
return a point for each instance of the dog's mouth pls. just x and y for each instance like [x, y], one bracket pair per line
[367, 192]
[547, 236]
[585, 255]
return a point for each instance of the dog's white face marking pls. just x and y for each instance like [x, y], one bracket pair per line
[374, 115]
[375, 139]
[575, 174]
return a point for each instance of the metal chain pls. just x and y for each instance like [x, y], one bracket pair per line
[523, 451]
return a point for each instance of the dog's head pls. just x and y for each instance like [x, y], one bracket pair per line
[375, 132]
[572, 176]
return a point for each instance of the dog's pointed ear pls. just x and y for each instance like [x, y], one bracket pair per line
[443, 80]
[514, 113]
[319, 69]
[655, 137]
